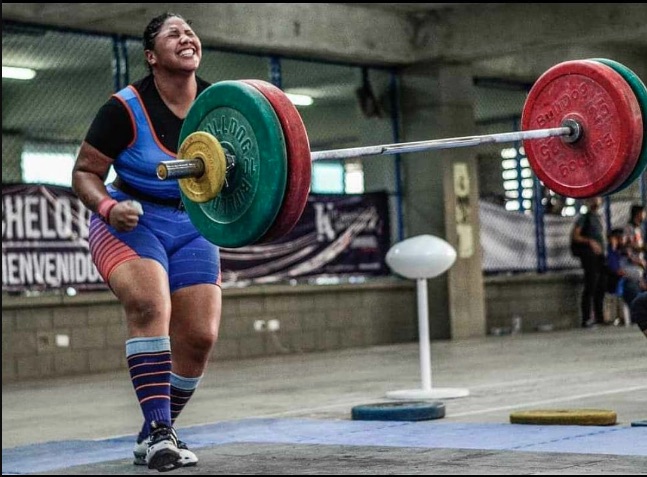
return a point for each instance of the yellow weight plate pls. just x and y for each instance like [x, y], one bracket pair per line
[577, 417]
[204, 146]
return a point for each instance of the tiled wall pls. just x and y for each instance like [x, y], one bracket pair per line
[36, 330]
[539, 300]
[309, 318]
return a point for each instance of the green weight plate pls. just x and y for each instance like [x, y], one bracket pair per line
[247, 127]
[640, 90]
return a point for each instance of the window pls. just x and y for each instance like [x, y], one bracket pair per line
[327, 178]
[43, 163]
[354, 177]
[518, 185]
[517, 179]
[47, 168]
[337, 177]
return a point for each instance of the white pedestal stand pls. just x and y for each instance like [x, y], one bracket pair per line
[420, 258]
[427, 391]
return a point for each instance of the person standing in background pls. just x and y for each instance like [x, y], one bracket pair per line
[589, 235]
[635, 236]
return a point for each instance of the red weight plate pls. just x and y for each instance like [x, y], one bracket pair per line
[299, 162]
[602, 102]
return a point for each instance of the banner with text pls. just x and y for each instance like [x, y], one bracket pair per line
[337, 235]
[45, 242]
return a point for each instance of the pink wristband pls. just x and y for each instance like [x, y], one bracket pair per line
[104, 208]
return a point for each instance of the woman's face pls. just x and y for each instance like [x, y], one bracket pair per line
[177, 47]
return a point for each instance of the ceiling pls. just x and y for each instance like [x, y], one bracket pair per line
[514, 39]
[416, 7]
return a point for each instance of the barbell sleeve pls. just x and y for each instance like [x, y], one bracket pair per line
[180, 169]
[185, 168]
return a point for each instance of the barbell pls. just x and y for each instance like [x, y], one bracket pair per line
[244, 160]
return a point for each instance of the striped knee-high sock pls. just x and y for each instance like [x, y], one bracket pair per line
[181, 391]
[149, 363]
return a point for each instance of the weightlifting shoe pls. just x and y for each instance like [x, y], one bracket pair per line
[187, 458]
[162, 453]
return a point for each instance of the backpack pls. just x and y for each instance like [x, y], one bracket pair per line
[578, 248]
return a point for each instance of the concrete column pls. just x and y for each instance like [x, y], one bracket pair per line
[441, 192]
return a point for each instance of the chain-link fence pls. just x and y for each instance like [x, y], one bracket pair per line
[77, 72]
[524, 225]
[48, 116]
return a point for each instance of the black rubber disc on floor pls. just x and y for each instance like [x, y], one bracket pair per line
[399, 411]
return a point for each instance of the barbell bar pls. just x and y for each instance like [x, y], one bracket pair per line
[244, 160]
[194, 167]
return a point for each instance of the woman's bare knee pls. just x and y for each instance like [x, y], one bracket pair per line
[146, 312]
